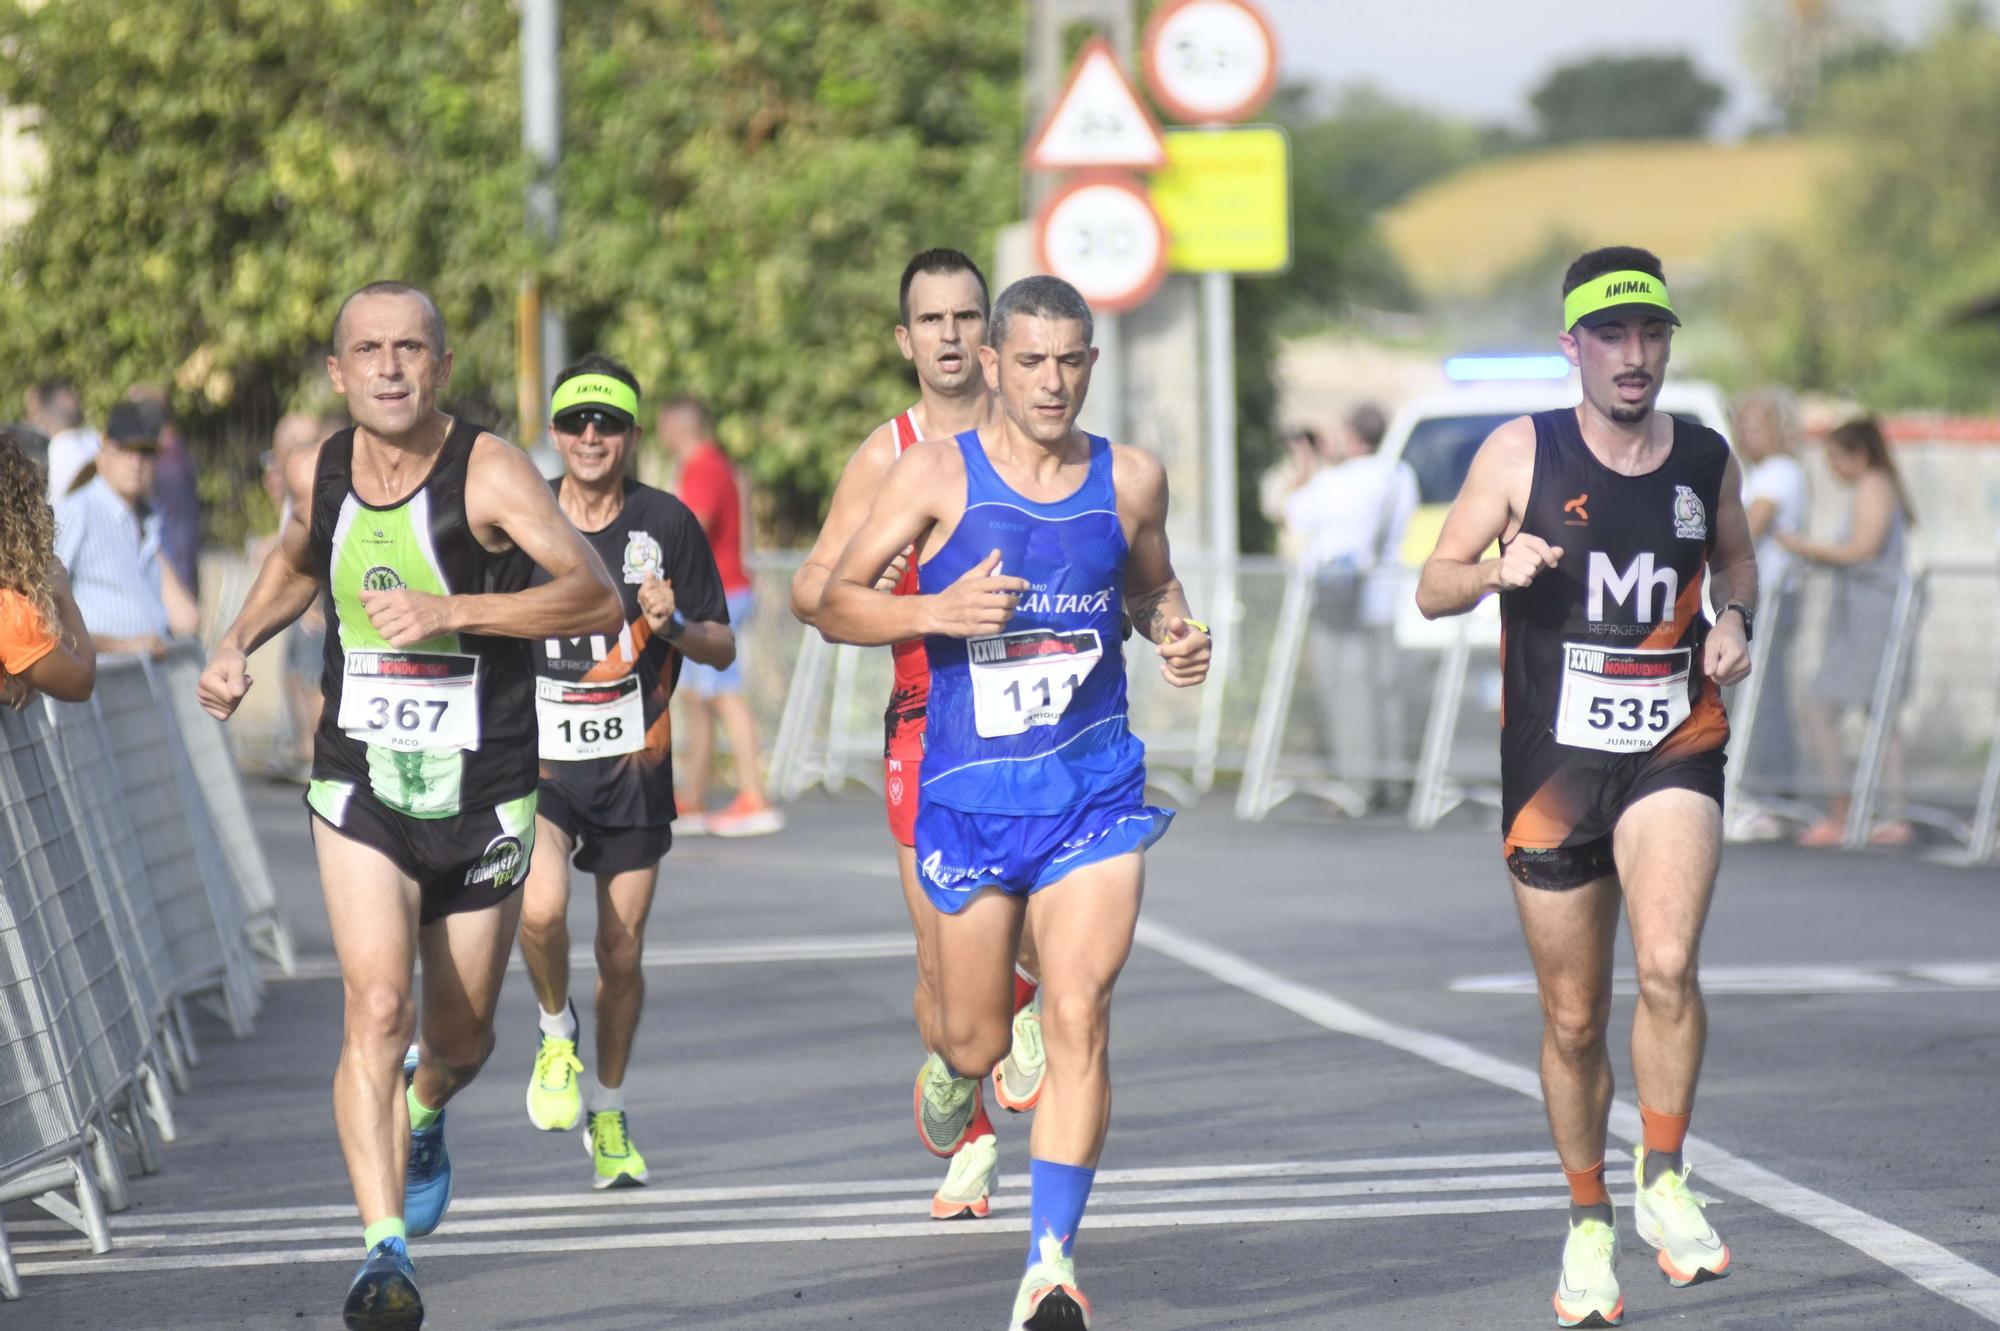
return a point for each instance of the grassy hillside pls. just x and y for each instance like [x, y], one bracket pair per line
[1681, 199]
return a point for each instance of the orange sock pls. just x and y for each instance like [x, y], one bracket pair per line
[1663, 1133]
[981, 1126]
[1024, 989]
[1586, 1186]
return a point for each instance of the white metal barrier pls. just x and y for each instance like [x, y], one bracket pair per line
[830, 732]
[118, 904]
[1925, 742]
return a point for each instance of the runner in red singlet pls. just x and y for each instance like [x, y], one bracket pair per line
[944, 304]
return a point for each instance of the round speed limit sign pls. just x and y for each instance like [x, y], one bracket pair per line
[1101, 235]
[1210, 61]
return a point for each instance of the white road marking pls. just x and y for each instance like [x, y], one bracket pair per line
[901, 1207]
[915, 1229]
[836, 947]
[1928, 1264]
[1935, 978]
[580, 1198]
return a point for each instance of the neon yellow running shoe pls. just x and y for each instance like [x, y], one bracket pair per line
[968, 1185]
[1049, 1299]
[1017, 1082]
[553, 1100]
[1669, 1217]
[944, 1105]
[1587, 1290]
[619, 1164]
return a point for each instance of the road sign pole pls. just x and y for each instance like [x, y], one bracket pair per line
[1218, 326]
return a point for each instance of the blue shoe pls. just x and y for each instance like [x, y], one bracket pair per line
[384, 1294]
[427, 1180]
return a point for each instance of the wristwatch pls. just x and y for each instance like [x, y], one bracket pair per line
[675, 626]
[1749, 617]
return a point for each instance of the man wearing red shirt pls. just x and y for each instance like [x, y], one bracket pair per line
[708, 486]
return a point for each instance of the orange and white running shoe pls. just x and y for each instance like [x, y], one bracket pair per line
[1049, 1299]
[1587, 1290]
[746, 817]
[1017, 1081]
[1669, 1217]
[968, 1185]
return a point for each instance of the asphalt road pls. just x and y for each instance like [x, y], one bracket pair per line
[1323, 1054]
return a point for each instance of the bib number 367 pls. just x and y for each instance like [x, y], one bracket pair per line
[1028, 678]
[1621, 701]
[411, 700]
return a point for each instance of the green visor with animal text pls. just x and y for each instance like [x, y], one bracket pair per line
[1615, 295]
[585, 393]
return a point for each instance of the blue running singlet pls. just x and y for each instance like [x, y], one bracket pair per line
[1032, 720]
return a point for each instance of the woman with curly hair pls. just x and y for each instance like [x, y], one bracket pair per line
[44, 646]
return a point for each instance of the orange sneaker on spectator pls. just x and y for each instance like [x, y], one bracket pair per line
[1896, 832]
[746, 817]
[690, 819]
[1825, 832]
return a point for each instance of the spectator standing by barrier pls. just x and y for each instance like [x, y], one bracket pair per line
[176, 493]
[1349, 521]
[708, 486]
[1775, 498]
[1868, 559]
[72, 444]
[108, 535]
[44, 646]
[1307, 452]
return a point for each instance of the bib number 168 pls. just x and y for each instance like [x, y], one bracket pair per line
[592, 731]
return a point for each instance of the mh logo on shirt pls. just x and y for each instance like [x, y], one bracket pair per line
[1637, 582]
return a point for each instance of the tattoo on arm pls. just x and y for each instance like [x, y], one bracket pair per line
[1151, 611]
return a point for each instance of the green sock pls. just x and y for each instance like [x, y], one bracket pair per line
[421, 1115]
[384, 1229]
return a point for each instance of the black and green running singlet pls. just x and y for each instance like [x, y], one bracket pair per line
[443, 726]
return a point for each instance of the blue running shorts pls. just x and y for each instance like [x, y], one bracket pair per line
[960, 854]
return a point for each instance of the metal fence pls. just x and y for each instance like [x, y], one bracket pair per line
[121, 901]
[1313, 696]
[1919, 740]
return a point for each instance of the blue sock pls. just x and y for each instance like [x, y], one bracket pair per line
[1056, 1198]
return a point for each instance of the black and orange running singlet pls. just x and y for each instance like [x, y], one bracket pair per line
[1601, 656]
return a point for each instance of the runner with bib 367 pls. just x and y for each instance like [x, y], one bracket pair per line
[418, 532]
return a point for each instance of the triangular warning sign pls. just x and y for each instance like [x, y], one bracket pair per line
[1098, 121]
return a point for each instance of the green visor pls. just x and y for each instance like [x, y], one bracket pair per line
[1614, 295]
[595, 392]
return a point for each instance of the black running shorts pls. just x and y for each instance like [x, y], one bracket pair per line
[1565, 867]
[605, 850]
[469, 861]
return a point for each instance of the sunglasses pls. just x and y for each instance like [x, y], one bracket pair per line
[576, 422]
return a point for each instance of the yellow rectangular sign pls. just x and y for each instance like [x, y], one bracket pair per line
[1225, 198]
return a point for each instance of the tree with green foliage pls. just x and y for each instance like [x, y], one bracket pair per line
[1625, 97]
[1891, 290]
[740, 187]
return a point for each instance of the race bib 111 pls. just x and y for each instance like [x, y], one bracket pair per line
[1028, 678]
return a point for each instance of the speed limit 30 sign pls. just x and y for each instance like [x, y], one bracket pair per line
[1101, 234]
[1210, 61]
